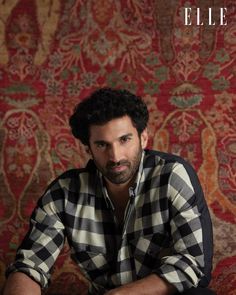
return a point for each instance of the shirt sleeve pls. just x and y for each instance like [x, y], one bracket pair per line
[44, 240]
[186, 266]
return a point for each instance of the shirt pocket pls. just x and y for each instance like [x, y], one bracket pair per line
[148, 251]
[93, 261]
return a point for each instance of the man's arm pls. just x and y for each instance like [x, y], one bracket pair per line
[149, 285]
[187, 265]
[41, 245]
[21, 284]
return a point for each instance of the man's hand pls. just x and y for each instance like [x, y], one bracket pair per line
[20, 284]
[147, 286]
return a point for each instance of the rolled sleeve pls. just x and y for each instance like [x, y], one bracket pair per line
[184, 267]
[42, 244]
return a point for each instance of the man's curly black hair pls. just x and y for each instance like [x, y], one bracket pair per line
[104, 105]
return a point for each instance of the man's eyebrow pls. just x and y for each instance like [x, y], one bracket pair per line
[99, 141]
[126, 135]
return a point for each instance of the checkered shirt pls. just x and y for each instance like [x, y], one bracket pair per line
[166, 229]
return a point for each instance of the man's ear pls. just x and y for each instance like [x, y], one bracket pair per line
[87, 149]
[144, 138]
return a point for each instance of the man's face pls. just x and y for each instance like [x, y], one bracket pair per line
[116, 149]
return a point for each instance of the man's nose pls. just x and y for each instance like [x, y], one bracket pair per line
[115, 153]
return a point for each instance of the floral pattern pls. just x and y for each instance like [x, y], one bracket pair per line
[54, 53]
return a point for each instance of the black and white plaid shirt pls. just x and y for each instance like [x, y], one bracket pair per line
[166, 230]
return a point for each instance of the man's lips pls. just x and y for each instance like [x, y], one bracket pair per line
[119, 168]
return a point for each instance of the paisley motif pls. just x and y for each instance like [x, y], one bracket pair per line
[54, 53]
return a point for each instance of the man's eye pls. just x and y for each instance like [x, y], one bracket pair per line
[101, 145]
[125, 139]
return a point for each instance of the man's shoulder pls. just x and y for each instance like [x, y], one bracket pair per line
[153, 158]
[74, 176]
[168, 162]
[90, 168]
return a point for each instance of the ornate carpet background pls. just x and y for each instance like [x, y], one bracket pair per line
[53, 53]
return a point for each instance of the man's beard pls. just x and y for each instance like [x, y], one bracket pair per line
[119, 177]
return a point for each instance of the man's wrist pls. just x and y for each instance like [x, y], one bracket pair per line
[152, 284]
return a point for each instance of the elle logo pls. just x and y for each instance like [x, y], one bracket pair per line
[188, 17]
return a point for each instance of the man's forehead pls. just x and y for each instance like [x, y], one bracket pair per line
[113, 129]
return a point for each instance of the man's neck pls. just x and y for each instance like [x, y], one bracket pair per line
[119, 195]
[116, 188]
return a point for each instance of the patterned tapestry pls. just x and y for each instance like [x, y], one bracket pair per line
[53, 53]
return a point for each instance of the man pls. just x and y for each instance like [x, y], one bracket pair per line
[136, 220]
